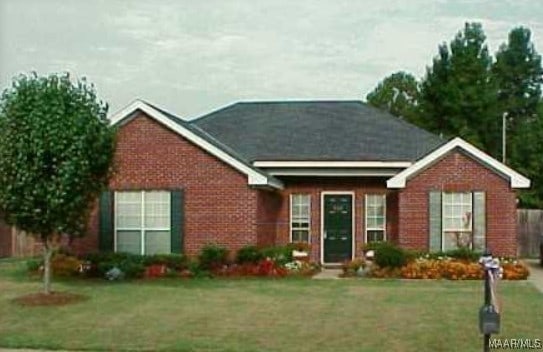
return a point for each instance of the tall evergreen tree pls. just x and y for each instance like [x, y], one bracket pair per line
[527, 158]
[519, 76]
[458, 94]
[397, 94]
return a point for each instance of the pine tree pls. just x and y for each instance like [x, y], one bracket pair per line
[519, 76]
[458, 94]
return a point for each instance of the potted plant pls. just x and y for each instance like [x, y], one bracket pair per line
[300, 250]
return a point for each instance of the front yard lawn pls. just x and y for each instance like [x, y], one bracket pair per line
[262, 315]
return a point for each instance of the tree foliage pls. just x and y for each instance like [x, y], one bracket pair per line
[519, 76]
[397, 94]
[458, 94]
[465, 93]
[56, 148]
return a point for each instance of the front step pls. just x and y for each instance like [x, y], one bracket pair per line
[327, 274]
[331, 266]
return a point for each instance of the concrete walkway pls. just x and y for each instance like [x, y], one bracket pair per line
[327, 274]
[536, 273]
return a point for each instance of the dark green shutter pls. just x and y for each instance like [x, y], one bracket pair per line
[434, 216]
[105, 240]
[479, 221]
[177, 215]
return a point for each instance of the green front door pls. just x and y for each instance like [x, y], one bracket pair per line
[337, 227]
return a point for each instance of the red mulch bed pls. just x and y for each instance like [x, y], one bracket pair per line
[52, 299]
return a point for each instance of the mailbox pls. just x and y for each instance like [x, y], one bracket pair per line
[489, 320]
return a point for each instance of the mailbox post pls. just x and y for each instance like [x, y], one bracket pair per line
[489, 315]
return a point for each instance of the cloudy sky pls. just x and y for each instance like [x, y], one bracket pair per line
[192, 57]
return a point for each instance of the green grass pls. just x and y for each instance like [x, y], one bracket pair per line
[262, 315]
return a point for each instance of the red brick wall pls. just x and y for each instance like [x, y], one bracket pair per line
[268, 206]
[392, 216]
[458, 172]
[314, 187]
[219, 206]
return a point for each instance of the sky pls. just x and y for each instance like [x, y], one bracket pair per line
[193, 57]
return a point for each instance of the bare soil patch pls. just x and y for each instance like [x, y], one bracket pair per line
[52, 299]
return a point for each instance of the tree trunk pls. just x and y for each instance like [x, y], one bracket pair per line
[47, 254]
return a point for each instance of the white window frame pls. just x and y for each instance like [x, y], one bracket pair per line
[142, 228]
[384, 229]
[443, 216]
[291, 216]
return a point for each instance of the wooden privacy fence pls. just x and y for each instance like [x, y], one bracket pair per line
[529, 230]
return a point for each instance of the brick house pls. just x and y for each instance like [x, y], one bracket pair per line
[335, 174]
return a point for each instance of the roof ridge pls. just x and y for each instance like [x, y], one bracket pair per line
[211, 114]
[300, 101]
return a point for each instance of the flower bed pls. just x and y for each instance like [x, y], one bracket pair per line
[213, 261]
[461, 264]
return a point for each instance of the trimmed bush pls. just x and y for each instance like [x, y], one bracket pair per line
[131, 265]
[249, 254]
[388, 255]
[213, 257]
[279, 254]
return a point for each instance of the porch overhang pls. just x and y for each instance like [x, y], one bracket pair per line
[333, 168]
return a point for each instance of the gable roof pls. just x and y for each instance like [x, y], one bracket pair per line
[316, 131]
[198, 137]
[516, 179]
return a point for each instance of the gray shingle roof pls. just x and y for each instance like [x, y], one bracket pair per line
[316, 130]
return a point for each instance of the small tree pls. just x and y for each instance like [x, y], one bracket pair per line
[56, 148]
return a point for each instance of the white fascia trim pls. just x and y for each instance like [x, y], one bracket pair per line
[516, 179]
[254, 178]
[329, 172]
[334, 164]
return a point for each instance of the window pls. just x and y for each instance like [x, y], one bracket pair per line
[142, 222]
[300, 217]
[457, 220]
[375, 217]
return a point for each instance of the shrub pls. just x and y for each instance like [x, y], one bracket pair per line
[249, 254]
[515, 271]
[195, 270]
[352, 267]
[388, 255]
[176, 262]
[65, 265]
[213, 257]
[466, 254]
[131, 265]
[266, 268]
[279, 254]
[33, 265]
[300, 246]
